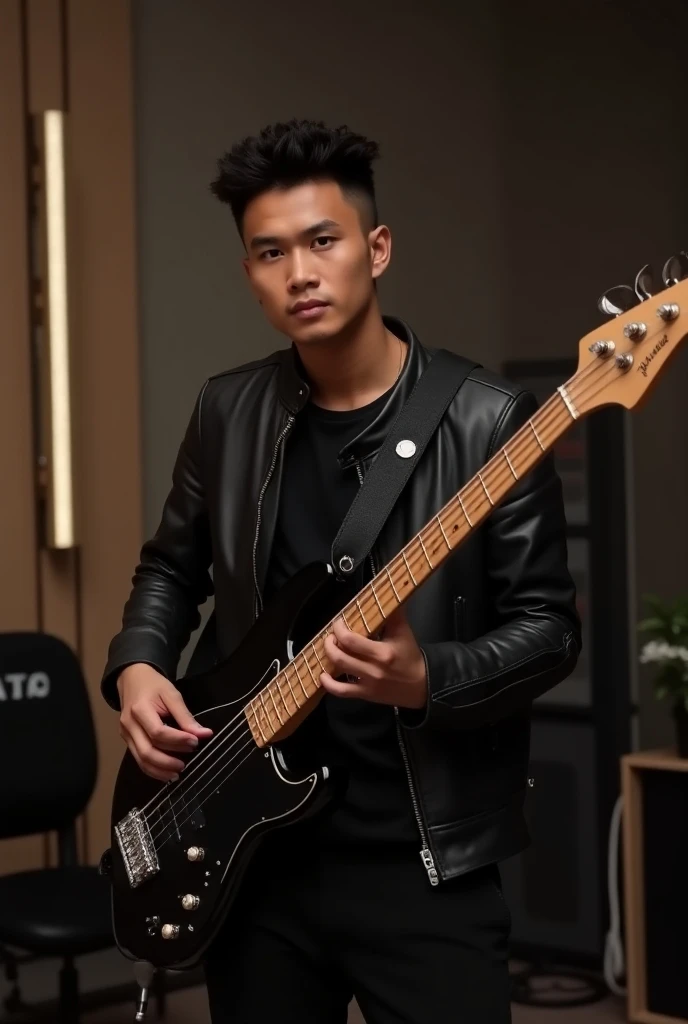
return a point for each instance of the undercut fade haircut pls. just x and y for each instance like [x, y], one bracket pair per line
[287, 154]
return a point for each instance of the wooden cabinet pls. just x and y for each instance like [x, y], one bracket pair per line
[655, 863]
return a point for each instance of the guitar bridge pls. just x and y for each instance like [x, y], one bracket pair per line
[136, 846]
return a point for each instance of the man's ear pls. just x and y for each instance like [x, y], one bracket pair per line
[380, 243]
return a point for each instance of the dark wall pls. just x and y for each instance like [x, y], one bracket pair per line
[421, 81]
[533, 155]
[595, 172]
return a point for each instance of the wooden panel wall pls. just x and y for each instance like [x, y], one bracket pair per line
[18, 555]
[105, 331]
[72, 55]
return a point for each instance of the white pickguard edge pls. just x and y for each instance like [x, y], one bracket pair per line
[278, 762]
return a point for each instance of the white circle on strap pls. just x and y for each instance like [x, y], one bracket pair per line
[406, 449]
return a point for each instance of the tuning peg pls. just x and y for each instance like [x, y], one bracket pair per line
[644, 283]
[617, 300]
[675, 268]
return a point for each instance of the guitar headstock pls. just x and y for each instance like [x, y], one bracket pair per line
[620, 360]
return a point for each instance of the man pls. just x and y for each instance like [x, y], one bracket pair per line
[430, 722]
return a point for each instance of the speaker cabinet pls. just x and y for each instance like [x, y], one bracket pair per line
[558, 888]
[553, 887]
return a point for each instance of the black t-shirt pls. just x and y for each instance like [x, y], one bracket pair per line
[358, 737]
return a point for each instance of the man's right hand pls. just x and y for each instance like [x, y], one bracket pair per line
[146, 697]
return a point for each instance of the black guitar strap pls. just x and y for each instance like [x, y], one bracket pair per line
[399, 455]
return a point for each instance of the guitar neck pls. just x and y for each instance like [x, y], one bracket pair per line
[293, 692]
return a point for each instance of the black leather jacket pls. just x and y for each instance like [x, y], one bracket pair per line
[496, 622]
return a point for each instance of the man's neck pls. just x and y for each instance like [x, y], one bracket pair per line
[356, 367]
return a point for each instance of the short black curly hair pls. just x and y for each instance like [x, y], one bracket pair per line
[286, 154]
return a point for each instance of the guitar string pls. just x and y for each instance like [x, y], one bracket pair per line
[149, 818]
[249, 743]
[431, 532]
[560, 412]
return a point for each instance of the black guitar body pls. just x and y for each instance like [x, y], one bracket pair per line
[169, 899]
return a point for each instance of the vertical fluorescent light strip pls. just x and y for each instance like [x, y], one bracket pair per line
[58, 347]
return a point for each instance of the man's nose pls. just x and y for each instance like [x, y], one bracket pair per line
[302, 273]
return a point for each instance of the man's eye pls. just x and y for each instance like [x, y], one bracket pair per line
[322, 241]
[270, 254]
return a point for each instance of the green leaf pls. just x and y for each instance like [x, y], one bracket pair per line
[653, 625]
[661, 692]
[656, 605]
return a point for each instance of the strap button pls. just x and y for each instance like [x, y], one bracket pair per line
[406, 449]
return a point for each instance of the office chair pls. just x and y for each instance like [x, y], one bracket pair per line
[48, 767]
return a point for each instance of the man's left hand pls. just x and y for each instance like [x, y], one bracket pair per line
[387, 671]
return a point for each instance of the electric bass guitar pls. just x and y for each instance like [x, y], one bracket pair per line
[179, 850]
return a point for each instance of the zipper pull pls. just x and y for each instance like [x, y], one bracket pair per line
[429, 865]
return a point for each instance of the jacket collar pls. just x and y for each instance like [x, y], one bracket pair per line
[294, 392]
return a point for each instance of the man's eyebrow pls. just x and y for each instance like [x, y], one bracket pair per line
[259, 241]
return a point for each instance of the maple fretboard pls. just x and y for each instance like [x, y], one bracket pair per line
[297, 685]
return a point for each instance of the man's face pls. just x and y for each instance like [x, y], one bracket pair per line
[310, 261]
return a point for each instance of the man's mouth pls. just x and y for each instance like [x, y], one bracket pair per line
[309, 309]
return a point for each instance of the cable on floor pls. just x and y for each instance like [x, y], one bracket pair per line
[550, 985]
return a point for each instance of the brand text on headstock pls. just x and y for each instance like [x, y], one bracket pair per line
[642, 367]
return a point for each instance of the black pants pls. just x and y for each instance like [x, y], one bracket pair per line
[312, 930]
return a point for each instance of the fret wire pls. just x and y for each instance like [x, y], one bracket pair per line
[345, 622]
[382, 612]
[446, 539]
[272, 698]
[260, 727]
[360, 612]
[425, 552]
[506, 456]
[249, 709]
[464, 510]
[491, 467]
[265, 712]
[536, 434]
[276, 682]
[315, 652]
[298, 676]
[291, 688]
[408, 569]
[308, 666]
[393, 587]
[480, 477]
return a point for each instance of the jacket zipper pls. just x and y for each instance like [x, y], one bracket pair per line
[425, 852]
[258, 604]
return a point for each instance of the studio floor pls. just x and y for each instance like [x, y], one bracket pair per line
[190, 1007]
[105, 970]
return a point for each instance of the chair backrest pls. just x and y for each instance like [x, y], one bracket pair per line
[48, 759]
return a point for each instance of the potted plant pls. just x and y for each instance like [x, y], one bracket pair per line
[666, 646]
